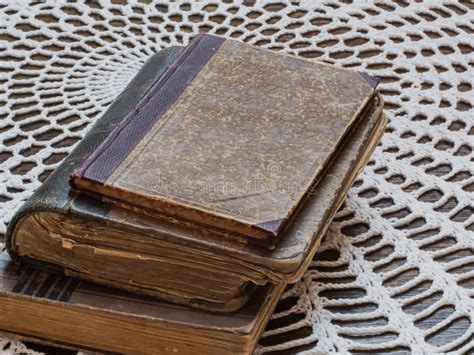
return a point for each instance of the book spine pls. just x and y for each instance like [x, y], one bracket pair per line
[137, 122]
[54, 194]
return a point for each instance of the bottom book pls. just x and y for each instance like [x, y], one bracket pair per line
[48, 308]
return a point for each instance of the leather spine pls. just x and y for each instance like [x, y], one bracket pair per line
[54, 195]
[101, 164]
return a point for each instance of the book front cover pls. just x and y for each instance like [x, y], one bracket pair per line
[240, 145]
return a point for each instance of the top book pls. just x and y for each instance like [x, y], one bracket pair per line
[231, 137]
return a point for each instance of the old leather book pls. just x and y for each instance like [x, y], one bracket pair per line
[64, 231]
[51, 309]
[231, 137]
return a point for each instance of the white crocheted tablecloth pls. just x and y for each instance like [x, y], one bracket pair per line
[396, 270]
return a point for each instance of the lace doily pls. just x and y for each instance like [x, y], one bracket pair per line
[396, 270]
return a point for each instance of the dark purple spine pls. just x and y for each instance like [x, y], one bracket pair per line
[101, 164]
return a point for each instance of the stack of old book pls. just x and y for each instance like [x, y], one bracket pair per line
[203, 190]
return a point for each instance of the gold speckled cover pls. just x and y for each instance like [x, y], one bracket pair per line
[231, 136]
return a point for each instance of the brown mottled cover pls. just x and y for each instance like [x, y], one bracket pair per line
[232, 137]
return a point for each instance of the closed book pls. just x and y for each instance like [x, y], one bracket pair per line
[53, 309]
[231, 137]
[63, 231]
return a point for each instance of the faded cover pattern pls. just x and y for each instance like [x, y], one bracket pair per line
[242, 145]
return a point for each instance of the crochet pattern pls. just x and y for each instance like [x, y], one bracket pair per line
[396, 269]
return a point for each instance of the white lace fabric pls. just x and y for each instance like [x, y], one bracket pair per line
[396, 270]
